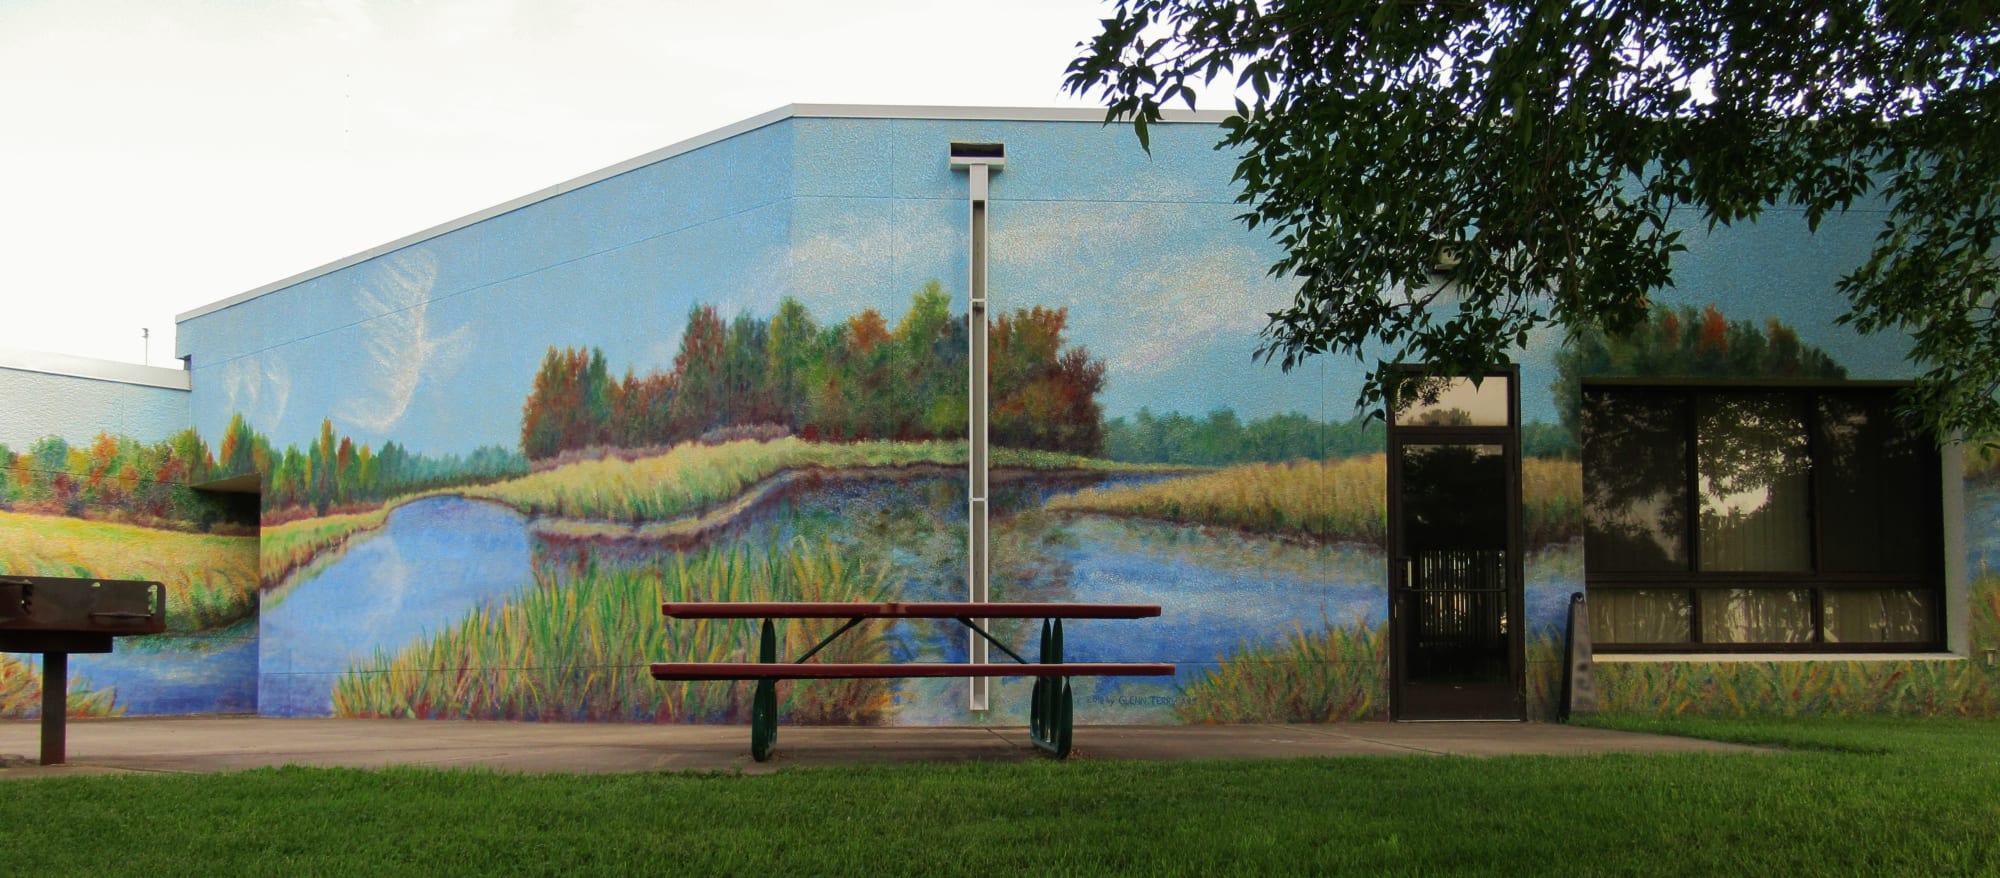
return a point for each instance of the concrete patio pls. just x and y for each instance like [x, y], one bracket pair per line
[212, 744]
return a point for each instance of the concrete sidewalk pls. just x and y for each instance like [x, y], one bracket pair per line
[210, 744]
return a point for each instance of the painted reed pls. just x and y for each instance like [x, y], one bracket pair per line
[21, 693]
[1544, 673]
[1343, 499]
[1815, 688]
[211, 580]
[1336, 674]
[1334, 499]
[576, 647]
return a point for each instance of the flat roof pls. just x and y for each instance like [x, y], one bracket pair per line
[790, 111]
[94, 369]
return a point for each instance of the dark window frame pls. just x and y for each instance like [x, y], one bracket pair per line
[1692, 581]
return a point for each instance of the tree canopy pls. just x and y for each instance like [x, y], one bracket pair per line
[1446, 177]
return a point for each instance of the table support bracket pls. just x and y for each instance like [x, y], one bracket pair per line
[1051, 712]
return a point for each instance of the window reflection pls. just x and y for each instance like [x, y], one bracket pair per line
[1451, 402]
[1755, 477]
[1872, 460]
[1635, 481]
[1885, 615]
[1640, 616]
[1826, 497]
[1753, 615]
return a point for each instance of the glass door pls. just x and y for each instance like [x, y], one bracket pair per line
[1455, 572]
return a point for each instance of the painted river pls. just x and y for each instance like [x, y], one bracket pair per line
[437, 559]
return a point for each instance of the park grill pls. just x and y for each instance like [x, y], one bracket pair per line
[57, 616]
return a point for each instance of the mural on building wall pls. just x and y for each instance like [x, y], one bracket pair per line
[489, 457]
[801, 456]
[120, 509]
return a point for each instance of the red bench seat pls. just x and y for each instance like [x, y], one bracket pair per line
[824, 671]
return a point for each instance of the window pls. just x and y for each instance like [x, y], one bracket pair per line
[1759, 519]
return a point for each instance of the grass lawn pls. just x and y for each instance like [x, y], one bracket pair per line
[1862, 797]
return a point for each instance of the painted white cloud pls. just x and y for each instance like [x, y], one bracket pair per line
[398, 348]
[1193, 299]
[258, 388]
[841, 270]
[1167, 299]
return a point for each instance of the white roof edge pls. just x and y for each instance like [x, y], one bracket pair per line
[94, 369]
[994, 114]
[790, 111]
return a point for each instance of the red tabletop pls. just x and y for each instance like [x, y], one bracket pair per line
[904, 610]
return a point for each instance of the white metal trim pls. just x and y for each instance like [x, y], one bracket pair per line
[1641, 658]
[993, 114]
[1957, 575]
[94, 369]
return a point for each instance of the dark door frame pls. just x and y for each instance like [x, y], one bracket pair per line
[1509, 438]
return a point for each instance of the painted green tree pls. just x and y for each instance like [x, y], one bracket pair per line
[1686, 343]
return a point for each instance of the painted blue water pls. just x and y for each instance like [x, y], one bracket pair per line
[1211, 602]
[177, 674]
[429, 565]
[436, 560]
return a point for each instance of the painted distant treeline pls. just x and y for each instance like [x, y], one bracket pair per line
[1678, 342]
[1686, 343]
[334, 471]
[1223, 439]
[117, 478]
[849, 380]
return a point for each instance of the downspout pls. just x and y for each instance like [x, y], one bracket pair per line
[979, 161]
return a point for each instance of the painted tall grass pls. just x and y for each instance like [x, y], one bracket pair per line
[21, 693]
[1334, 499]
[1344, 499]
[692, 477]
[577, 646]
[1816, 688]
[295, 544]
[211, 580]
[1333, 675]
[1544, 673]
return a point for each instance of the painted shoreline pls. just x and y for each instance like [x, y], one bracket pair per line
[689, 530]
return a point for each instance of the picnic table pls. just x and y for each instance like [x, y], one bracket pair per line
[1050, 711]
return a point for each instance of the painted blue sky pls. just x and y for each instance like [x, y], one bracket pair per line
[435, 346]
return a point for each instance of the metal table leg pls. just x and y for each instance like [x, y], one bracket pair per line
[764, 707]
[55, 707]
[1050, 713]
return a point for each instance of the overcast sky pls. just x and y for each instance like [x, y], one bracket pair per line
[160, 155]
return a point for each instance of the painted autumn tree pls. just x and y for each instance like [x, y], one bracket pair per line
[114, 478]
[560, 414]
[1043, 396]
[856, 379]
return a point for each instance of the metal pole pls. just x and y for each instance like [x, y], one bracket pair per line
[55, 706]
[976, 532]
[979, 161]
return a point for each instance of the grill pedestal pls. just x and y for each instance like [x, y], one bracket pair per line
[57, 617]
